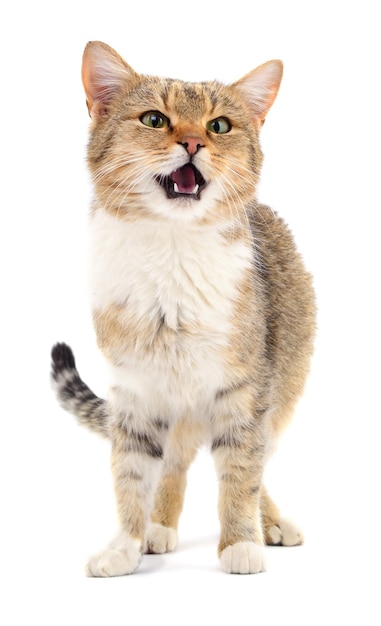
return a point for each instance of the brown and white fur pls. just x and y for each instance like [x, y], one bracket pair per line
[201, 304]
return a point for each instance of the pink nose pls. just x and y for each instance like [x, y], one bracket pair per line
[191, 144]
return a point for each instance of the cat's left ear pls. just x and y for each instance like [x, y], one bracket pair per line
[259, 88]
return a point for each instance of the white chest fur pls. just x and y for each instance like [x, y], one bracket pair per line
[182, 271]
[186, 274]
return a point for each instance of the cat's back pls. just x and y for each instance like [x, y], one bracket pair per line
[275, 245]
[288, 284]
[289, 299]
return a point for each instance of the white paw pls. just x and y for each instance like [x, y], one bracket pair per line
[160, 539]
[245, 557]
[122, 557]
[285, 533]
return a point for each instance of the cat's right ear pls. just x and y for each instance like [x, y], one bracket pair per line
[104, 73]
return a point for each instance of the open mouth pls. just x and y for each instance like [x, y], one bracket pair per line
[186, 181]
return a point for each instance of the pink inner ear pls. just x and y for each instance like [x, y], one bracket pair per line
[103, 74]
[259, 88]
[98, 88]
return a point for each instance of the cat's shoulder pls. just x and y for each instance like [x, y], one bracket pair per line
[264, 220]
[274, 241]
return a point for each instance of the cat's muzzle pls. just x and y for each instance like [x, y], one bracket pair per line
[187, 181]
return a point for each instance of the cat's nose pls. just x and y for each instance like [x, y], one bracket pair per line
[191, 144]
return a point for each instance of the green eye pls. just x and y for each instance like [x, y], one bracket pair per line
[154, 119]
[219, 126]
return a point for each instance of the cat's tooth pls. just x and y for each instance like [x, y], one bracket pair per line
[176, 189]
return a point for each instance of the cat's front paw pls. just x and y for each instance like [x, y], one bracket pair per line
[284, 533]
[122, 557]
[244, 557]
[160, 539]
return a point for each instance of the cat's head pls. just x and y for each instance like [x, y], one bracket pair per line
[181, 150]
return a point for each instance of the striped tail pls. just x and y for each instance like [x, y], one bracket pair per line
[74, 395]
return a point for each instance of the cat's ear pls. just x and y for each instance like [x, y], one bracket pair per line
[259, 88]
[104, 73]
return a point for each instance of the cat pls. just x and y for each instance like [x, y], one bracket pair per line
[201, 304]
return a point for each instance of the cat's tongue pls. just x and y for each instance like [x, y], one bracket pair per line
[185, 179]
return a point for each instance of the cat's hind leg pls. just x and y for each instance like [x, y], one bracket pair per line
[183, 443]
[278, 531]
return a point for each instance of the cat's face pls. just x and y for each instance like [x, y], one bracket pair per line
[185, 151]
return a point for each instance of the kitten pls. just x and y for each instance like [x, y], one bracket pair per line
[201, 304]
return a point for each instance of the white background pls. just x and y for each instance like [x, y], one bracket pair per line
[322, 174]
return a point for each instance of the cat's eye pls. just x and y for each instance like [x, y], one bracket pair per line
[219, 126]
[154, 119]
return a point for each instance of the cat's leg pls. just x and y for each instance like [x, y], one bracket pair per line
[238, 447]
[181, 449]
[278, 531]
[137, 455]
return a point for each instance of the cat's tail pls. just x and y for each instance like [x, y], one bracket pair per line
[74, 395]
